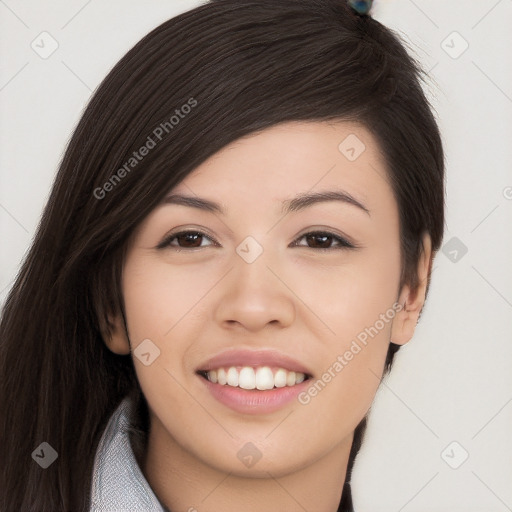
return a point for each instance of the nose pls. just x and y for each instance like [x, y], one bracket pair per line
[254, 295]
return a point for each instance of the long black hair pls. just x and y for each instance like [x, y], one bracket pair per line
[194, 84]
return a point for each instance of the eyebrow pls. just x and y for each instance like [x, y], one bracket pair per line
[298, 203]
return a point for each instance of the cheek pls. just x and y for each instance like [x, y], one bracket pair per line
[350, 296]
[356, 303]
[163, 304]
[158, 296]
[166, 305]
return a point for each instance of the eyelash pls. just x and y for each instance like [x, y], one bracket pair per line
[343, 244]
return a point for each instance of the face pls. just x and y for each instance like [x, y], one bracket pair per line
[267, 287]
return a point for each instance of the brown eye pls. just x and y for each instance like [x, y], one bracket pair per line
[324, 240]
[184, 240]
[189, 239]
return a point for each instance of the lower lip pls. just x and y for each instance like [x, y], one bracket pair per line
[254, 401]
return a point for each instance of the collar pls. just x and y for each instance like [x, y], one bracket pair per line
[118, 483]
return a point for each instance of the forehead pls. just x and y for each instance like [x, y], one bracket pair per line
[266, 168]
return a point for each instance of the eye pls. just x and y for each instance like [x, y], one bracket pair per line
[184, 240]
[323, 239]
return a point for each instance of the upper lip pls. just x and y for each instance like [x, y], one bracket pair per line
[240, 357]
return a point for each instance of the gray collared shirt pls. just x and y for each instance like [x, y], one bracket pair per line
[118, 483]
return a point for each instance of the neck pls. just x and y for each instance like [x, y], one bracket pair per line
[182, 482]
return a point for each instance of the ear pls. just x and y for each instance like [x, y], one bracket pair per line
[405, 320]
[115, 334]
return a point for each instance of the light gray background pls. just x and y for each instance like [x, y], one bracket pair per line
[453, 382]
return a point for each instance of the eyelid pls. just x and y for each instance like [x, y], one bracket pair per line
[343, 242]
[346, 242]
[180, 230]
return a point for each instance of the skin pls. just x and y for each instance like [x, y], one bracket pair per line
[303, 301]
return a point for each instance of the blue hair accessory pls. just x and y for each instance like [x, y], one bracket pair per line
[361, 6]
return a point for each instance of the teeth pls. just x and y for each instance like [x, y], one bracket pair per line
[264, 378]
[232, 377]
[261, 378]
[280, 378]
[221, 376]
[247, 379]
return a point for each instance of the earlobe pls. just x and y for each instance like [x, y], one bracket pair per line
[115, 335]
[412, 301]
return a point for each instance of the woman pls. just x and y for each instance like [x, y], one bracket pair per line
[238, 241]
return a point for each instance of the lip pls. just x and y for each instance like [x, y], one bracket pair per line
[253, 402]
[244, 357]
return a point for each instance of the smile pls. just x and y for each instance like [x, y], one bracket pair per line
[254, 381]
[261, 378]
